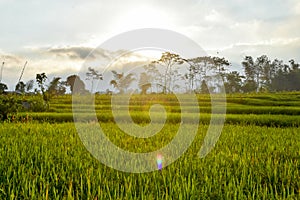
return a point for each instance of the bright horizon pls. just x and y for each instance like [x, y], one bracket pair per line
[55, 37]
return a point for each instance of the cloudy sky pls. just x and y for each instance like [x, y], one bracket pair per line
[55, 36]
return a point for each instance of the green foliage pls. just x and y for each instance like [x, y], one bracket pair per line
[77, 86]
[3, 87]
[256, 157]
[286, 81]
[20, 87]
[204, 88]
[37, 104]
[9, 106]
[144, 82]
[41, 79]
[121, 81]
[48, 161]
[233, 82]
[56, 87]
[29, 85]
[264, 75]
[92, 75]
[12, 105]
[249, 86]
[169, 61]
[279, 110]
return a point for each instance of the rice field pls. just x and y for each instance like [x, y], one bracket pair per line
[256, 157]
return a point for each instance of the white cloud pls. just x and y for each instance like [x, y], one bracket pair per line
[65, 61]
[283, 49]
[55, 36]
[214, 16]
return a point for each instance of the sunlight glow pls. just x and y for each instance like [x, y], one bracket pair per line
[143, 16]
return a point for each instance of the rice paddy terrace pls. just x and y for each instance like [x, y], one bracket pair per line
[256, 157]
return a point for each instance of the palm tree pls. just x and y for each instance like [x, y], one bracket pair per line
[56, 87]
[122, 82]
[92, 75]
[41, 79]
[20, 87]
[29, 85]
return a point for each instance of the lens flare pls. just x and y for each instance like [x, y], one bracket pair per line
[159, 160]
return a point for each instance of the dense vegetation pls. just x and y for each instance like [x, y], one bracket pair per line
[281, 109]
[175, 74]
[44, 160]
[256, 157]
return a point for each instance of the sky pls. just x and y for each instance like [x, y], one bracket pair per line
[56, 36]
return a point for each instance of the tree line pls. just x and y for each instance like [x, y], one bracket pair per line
[172, 73]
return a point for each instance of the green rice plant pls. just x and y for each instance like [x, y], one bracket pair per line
[172, 118]
[43, 160]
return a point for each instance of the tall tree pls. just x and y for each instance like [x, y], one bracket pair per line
[249, 68]
[286, 81]
[77, 86]
[176, 77]
[219, 69]
[276, 66]
[121, 81]
[294, 65]
[56, 87]
[219, 65]
[144, 82]
[41, 79]
[250, 72]
[169, 61]
[196, 69]
[20, 87]
[249, 86]
[263, 72]
[92, 75]
[191, 78]
[233, 82]
[204, 87]
[29, 85]
[154, 75]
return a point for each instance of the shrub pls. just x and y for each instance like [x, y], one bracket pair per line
[9, 106]
[37, 104]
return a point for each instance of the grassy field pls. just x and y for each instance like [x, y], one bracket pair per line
[256, 157]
